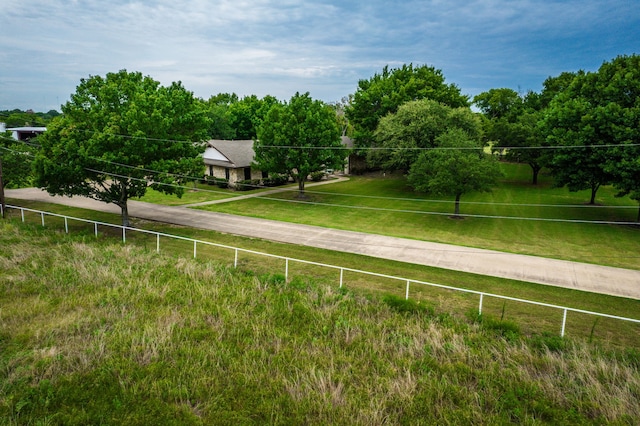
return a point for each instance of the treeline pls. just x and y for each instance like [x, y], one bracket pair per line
[19, 118]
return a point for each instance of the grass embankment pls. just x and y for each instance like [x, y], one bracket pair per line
[94, 332]
[387, 206]
[530, 318]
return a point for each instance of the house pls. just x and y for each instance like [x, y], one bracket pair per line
[231, 160]
[26, 133]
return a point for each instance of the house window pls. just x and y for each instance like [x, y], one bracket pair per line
[210, 170]
[265, 174]
[227, 175]
[247, 173]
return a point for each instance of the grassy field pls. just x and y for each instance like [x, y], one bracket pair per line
[385, 205]
[94, 332]
[528, 317]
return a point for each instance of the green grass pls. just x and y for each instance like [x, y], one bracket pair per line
[197, 193]
[406, 215]
[530, 317]
[94, 332]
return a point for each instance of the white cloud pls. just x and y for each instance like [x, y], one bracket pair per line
[279, 47]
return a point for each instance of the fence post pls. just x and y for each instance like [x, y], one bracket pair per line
[406, 296]
[42, 217]
[564, 322]
[22, 214]
[235, 259]
[341, 275]
[286, 269]
[194, 248]
[95, 229]
[157, 243]
[480, 307]
[124, 237]
[66, 225]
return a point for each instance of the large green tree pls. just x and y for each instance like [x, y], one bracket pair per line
[298, 138]
[247, 114]
[119, 134]
[384, 93]
[456, 166]
[596, 118]
[415, 126]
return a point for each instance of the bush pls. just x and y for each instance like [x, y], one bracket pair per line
[220, 182]
[317, 176]
[275, 180]
[247, 185]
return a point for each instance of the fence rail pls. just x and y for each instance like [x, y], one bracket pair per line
[342, 269]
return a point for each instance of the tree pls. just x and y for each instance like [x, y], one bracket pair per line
[415, 126]
[247, 114]
[299, 138]
[597, 117]
[499, 103]
[15, 164]
[384, 93]
[119, 133]
[457, 166]
[217, 110]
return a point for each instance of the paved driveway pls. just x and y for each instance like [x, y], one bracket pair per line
[580, 276]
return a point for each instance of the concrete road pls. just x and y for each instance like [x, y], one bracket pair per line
[575, 275]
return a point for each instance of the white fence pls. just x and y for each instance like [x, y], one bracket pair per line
[341, 269]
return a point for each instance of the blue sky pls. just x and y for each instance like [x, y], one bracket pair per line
[279, 47]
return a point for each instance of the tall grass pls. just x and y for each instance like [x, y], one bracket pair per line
[94, 332]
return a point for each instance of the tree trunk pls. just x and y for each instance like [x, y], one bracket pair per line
[123, 203]
[535, 168]
[457, 208]
[125, 214]
[594, 189]
[301, 186]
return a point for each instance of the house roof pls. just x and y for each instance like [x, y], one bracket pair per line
[232, 154]
[27, 129]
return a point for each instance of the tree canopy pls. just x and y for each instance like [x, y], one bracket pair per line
[415, 126]
[119, 134]
[457, 165]
[384, 93]
[298, 138]
[597, 118]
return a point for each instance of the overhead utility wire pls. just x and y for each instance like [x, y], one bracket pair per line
[421, 200]
[344, 148]
[599, 222]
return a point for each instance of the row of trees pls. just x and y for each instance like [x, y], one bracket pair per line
[584, 127]
[120, 132]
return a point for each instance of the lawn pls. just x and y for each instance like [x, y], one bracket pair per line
[384, 204]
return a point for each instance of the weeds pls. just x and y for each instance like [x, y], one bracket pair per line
[98, 333]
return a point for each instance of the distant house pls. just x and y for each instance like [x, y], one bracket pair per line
[231, 160]
[26, 133]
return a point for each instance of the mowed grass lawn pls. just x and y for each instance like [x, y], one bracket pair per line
[384, 204]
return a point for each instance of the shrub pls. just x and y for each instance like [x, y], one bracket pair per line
[317, 176]
[275, 180]
[247, 185]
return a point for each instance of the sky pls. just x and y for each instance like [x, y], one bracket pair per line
[280, 47]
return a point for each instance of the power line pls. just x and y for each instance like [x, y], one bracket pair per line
[598, 222]
[420, 200]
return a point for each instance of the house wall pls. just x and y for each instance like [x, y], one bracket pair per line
[234, 174]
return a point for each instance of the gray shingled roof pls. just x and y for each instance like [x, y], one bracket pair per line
[239, 153]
